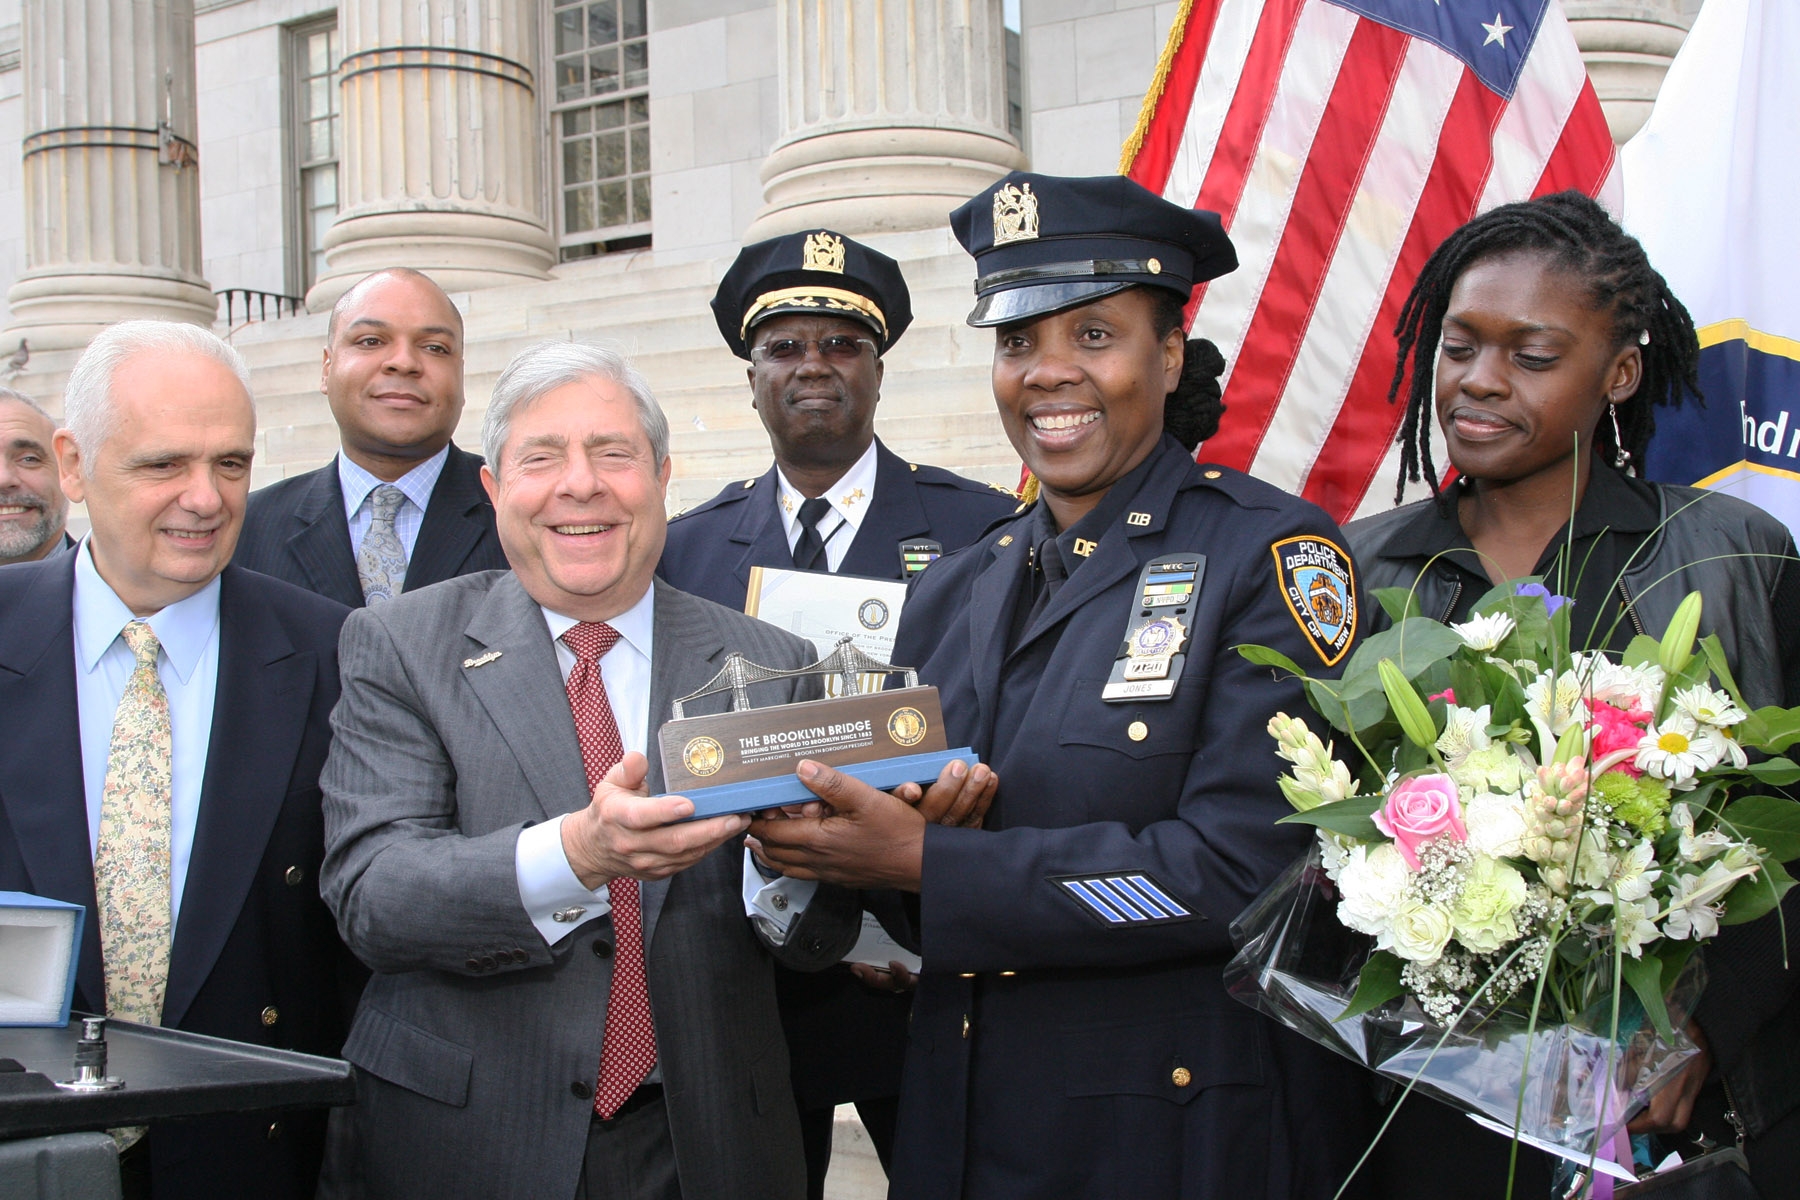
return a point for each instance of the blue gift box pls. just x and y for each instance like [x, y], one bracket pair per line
[40, 945]
[754, 795]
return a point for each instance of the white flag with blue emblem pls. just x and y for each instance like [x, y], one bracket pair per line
[1710, 186]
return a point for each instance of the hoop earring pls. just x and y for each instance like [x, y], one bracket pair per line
[1621, 456]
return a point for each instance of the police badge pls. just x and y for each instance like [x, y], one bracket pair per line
[1015, 215]
[1318, 582]
[823, 252]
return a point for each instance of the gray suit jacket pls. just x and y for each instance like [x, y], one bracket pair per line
[476, 1043]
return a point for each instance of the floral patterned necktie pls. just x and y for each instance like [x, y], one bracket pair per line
[628, 1045]
[381, 562]
[131, 857]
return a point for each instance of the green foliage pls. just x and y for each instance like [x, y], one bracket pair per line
[1769, 821]
[1378, 982]
[1757, 895]
[1777, 772]
[1263, 656]
[1399, 603]
[1349, 816]
[1770, 729]
[1645, 975]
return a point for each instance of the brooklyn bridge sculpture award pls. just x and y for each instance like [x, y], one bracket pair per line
[744, 760]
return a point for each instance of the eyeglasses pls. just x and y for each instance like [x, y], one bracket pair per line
[839, 347]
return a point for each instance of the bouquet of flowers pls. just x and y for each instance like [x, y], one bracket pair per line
[1518, 852]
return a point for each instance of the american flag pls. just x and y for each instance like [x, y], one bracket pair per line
[1341, 141]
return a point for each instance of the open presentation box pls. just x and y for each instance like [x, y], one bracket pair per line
[40, 941]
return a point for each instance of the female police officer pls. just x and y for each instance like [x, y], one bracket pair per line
[1071, 1035]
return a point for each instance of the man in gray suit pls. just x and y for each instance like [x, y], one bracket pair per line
[568, 1000]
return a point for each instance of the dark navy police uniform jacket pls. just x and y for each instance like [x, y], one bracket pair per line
[712, 546]
[1057, 1051]
[846, 1041]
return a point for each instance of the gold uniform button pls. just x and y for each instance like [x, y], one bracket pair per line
[1008, 974]
[968, 975]
[1215, 474]
[1137, 731]
[293, 876]
[965, 1025]
[1155, 266]
[270, 1015]
[1181, 1077]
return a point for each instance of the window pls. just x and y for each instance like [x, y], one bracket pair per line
[314, 134]
[600, 118]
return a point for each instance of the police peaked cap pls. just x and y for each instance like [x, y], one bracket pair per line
[818, 272]
[1043, 243]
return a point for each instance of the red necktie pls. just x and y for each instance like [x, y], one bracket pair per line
[629, 1049]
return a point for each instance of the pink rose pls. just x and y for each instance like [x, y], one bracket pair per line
[1419, 809]
[1614, 729]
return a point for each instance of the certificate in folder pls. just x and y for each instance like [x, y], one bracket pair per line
[826, 608]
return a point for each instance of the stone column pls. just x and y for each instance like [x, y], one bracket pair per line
[893, 112]
[1628, 47]
[111, 172]
[441, 167]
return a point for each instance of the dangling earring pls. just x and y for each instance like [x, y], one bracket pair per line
[1621, 456]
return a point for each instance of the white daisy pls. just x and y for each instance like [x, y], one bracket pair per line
[1485, 633]
[1679, 749]
[1708, 706]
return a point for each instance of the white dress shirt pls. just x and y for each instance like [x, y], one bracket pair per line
[187, 664]
[416, 485]
[850, 499]
[547, 884]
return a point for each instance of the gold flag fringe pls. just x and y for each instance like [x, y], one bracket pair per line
[1177, 32]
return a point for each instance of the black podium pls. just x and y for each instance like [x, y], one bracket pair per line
[166, 1073]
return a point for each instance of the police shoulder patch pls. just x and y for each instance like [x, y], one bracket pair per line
[1318, 582]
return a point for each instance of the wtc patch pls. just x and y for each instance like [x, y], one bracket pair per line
[1318, 582]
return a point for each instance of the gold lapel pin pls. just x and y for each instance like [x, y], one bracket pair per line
[481, 661]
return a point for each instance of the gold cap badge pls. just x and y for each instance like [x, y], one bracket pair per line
[823, 252]
[1015, 215]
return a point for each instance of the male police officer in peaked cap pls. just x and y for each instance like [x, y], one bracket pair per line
[1072, 1035]
[814, 313]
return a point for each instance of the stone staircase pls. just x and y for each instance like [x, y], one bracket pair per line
[936, 405]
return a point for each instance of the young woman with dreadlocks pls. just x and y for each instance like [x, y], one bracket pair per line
[1541, 342]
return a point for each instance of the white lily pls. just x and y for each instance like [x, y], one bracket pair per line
[1465, 731]
[1696, 848]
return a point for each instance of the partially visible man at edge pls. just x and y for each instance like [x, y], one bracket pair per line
[169, 718]
[34, 513]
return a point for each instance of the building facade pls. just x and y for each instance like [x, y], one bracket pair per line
[566, 168]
